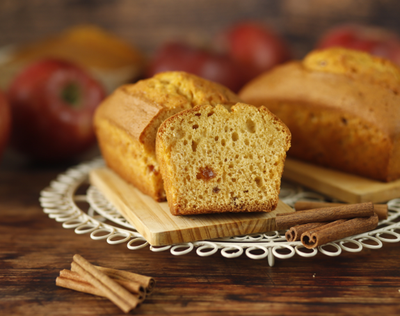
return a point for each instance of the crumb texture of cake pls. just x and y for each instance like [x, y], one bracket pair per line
[215, 160]
[126, 123]
[341, 107]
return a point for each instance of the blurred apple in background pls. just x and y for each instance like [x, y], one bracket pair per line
[178, 56]
[107, 57]
[52, 105]
[374, 40]
[235, 56]
[5, 122]
[255, 47]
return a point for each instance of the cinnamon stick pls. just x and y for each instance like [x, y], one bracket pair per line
[113, 291]
[380, 209]
[148, 283]
[78, 286]
[326, 214]
[294, 233]
[132, 287]
[338, 230]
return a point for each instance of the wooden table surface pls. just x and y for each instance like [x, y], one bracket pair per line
[34, 248]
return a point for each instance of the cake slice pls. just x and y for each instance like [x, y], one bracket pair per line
[214, 160]
[126, 123]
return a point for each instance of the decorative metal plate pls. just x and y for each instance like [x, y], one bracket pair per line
[90, 213]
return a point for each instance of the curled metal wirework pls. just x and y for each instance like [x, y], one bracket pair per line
[62, 201]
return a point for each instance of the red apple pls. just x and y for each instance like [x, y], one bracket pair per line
[176, 56]
[5, 122]
[52, 104]
[256, 47]
[374, 40]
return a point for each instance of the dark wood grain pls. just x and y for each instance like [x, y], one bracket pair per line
[34, 248]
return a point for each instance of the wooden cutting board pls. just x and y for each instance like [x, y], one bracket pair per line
[159, 227]
[345, 187]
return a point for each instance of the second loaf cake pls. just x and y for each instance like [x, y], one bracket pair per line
[342, 107]
[214, 160]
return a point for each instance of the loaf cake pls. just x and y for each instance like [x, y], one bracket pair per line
[342, 108]
[126, 123]
[215, 160]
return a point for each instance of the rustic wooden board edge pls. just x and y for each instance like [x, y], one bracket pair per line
[345, 187]
[248, 226]
[250, 223]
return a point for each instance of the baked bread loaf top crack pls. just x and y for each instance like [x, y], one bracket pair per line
[354, 64]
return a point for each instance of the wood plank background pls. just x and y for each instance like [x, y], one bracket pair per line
[148, 23]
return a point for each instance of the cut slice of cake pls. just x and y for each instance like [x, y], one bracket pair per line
[214, 160]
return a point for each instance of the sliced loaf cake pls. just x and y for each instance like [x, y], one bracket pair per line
[126, 123]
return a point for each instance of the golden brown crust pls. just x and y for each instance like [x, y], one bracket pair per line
[125, 156]
[357, 65]
[271, 205]
[136, 108]
[292, 82]
[336, 120]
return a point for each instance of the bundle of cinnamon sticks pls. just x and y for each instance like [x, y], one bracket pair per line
[125, 289]
[317, 224]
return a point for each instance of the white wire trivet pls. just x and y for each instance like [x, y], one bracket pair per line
[63, 202]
